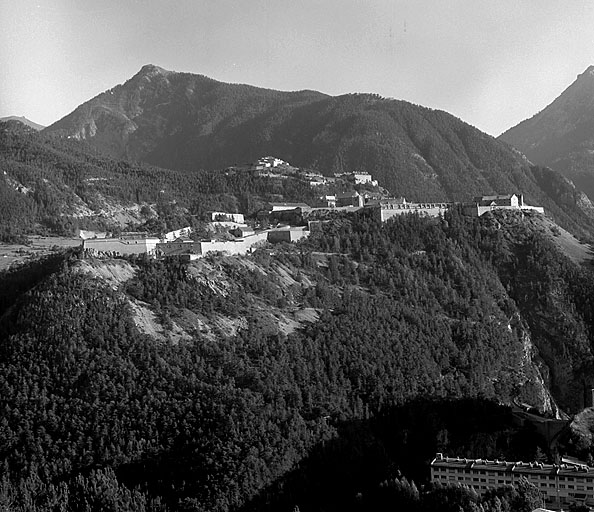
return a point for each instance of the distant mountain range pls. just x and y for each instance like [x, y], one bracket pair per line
[23, 120]
[562, 135]
[185, 121]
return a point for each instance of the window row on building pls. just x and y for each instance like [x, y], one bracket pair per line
[560, 484]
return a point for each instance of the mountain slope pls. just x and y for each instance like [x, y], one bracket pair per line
[562, 135]
[410, 309]
[185, 121]
[59, 185]
[23, 120]
[149, 115]
[222, 402]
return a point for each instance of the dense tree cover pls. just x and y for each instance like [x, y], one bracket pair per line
[51, 184]
[97, 394]
[95, 412]
[554, 297]
[336, 475]
[400, 494]
[514, 263]
[16, 281]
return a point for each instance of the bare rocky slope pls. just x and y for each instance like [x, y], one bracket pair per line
[218, 276]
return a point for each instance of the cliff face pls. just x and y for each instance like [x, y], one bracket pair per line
[549, 279]
[535, 387]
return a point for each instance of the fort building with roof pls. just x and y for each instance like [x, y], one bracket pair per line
[483, 204]
[390, 207]
[387, 208]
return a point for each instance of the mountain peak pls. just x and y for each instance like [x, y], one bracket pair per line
[588, 73]
[152, 70]
[147, 68]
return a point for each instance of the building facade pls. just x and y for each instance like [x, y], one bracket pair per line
[269, 161]
[388, 208]
[227, 217]
[483, 204]
[178, 247]
[281, 207]
[174, 235]
[121, 246]
[289, 234]
[560, 484]
[351, 198]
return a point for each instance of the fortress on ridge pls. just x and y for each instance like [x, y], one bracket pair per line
[484, 204]
[388, 208]
[241, 237]
[179, 244]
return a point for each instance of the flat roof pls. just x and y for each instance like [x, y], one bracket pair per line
[509, 466]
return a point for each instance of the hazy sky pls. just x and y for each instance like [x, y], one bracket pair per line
[491, 63]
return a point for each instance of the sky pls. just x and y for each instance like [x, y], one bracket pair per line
[490, 63]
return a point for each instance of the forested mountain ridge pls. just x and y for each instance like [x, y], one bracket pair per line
[66, 174]
[225, 403]
[145, 113]
[63, 184]
[561, 136]
[56, 186]
[23, 120]
[184, 121]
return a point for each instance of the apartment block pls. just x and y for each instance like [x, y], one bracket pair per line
[560, 484]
